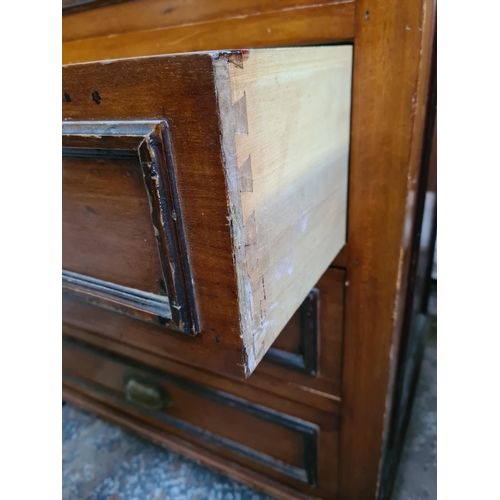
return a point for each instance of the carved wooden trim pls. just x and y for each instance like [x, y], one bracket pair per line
[70, 6]
[308, 474]
[149, 143]
[306, 360]
[129, 301]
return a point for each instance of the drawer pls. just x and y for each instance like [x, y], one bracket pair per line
[284, 442]
[205, 193]
[304, 363]
[308, 352]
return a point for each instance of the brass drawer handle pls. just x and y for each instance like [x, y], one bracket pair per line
[146, 395]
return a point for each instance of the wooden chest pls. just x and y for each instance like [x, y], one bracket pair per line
[243, 192]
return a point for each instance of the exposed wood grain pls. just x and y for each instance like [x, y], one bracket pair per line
[331, 318]
[391, 40]
[389, 94]
[107, 230]
[288, 131]
[284, 136]
[411, 345]
[96, 147]
[136, 90]
[142, 15]
[128, 30]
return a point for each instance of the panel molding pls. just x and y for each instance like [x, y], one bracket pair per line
[308, 474]
[129, 301]
[306, 360]
[71, 6]
[148, 142]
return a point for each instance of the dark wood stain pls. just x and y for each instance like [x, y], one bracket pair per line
[152, 167]
[378, 221]
[305, 356]
[355, 341]
[136, 90]
[307, 431]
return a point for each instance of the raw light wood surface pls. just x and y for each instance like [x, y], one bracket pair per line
[285, 131]
[391, 46]
[327, 380]
[260, 144]
[150, 27]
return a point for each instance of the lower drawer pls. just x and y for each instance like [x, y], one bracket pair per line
[288, 443]
[304, 361]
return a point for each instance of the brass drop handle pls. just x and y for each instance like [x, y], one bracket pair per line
[147, 395]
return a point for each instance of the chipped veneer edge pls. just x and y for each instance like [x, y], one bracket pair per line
[230, 124]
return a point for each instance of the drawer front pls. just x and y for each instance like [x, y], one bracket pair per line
[263, 439]
[306, 355]
[308, 352]
[206, 193]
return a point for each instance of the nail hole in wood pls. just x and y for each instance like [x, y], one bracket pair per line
[96, 97]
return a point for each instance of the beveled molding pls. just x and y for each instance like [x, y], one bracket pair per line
[306, 359]
[307, 474]
[71, 6]
[149, 142]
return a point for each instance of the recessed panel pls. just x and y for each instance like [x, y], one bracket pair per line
[107, 229]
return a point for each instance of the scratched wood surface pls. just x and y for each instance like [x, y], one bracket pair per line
[149, 27]
[263, 197]
[136, 90]
[85, 365]
[389, 93]
[285, 139]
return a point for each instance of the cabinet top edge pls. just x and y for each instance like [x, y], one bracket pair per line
[230, 55]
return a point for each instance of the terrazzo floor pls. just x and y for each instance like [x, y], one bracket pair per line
[104, 462]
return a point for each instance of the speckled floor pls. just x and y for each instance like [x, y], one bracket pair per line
[417, 472]
[104, 462]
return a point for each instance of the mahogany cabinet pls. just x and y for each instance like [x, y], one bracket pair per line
[243, 195]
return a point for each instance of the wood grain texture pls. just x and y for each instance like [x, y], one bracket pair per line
[107, 230]
[148, 345]
[285, 129]
[329, 342]
[164, 27]
[71, 6]
[259, 141]
[136, 90]
[245, 422]
[128, 231]
[389, 94]
[391, 41]
[416, 322]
